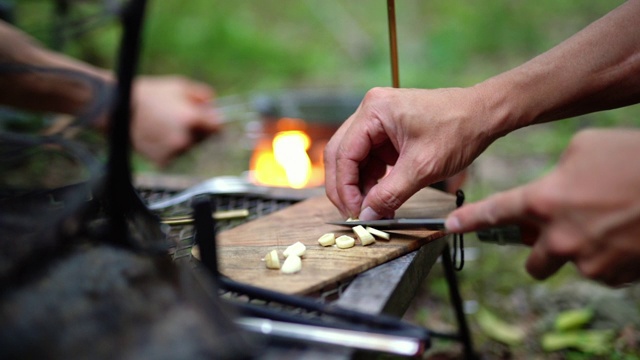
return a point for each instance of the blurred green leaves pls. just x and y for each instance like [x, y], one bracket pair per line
[242, 46]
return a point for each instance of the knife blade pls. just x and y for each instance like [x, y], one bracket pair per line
[501, 235]
[398, 224]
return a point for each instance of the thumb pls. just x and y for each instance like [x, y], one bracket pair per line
[199, 92]
[388, 195]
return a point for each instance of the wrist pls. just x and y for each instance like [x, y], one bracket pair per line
[507, 104]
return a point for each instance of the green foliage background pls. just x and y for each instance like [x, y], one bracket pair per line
[265, 44]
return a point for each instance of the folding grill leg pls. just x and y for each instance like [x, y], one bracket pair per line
[456, 301]
[205, 235]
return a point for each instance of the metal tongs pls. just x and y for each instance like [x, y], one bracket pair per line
[391, 342]
[326, 324]
[502, 235]
[213, 186]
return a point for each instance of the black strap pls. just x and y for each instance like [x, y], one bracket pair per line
[458, 239]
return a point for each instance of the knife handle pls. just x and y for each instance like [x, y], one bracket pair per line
[502, 235]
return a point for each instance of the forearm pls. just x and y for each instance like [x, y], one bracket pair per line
[38, 90]
[596, 69]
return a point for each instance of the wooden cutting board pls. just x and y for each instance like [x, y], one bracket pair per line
[241, 249]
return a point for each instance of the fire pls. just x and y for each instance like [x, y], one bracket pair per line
[290, 159]
[290, 152]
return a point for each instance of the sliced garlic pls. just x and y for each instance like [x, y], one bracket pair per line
[365, 237]
[195, 251]
[378, 233]
[345, 242]
[296, 249]
[271, 260]
[327, 239]
[292, 264]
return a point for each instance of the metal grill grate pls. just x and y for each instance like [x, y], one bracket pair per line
[181, 236]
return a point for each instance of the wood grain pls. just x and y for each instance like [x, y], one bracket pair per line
[242, 249]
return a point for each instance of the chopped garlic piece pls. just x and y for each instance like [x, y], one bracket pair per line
[378, 233]
[345, 242]
[271, 260]
[365, 237]
[327, 239]
[195, 251]
[296, 249]
[292, 264]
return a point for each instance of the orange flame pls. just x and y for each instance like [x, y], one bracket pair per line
[284, 161]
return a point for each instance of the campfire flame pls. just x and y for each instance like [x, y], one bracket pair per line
[285, 160]
[290, 151]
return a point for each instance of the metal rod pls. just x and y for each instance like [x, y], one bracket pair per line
[119, 188]
[456, 302]
[393, 44]
[311, 305]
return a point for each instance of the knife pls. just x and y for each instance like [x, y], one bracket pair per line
[501, 235]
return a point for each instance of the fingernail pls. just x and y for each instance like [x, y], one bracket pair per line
[452, 224]
[369, 214]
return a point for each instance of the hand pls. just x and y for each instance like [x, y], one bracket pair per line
[171, 114]
[424, 135]
[586, 211]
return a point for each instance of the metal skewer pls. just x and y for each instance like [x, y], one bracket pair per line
[393, 43]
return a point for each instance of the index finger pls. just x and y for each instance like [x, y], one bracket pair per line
[503, 208]
[351, 152]
[330, 159]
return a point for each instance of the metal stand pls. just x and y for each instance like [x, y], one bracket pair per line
[464, 335]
